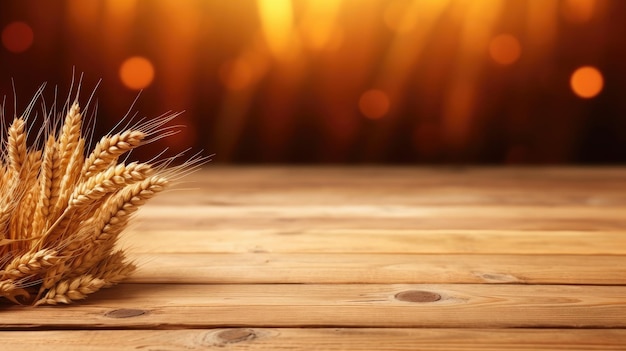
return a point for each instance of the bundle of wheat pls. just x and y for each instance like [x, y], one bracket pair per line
[61, 211]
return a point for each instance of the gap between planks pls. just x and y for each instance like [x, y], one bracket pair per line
[349, 339]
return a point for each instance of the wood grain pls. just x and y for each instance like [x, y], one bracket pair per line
[320, 338]
[329, 268]
[364, 240]
[356, 258]
[334, 305]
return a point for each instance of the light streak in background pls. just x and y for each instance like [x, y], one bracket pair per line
[277, 25]
[319, 26]
[340, 73]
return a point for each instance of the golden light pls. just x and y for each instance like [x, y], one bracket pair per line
[136, 72]
[505, 49]
[401, 16]
[120, 8]
[318, 26]
[587, 82]
[17, 37]
[374, 103]
[277, 24]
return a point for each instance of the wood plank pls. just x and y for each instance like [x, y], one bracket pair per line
[277, 222]
[331, 240]
[292, 209]
[377, 215]
[404, 185]
[319, 338]
[393, 198]
[324, 268]
[427, 177]
[352, 305]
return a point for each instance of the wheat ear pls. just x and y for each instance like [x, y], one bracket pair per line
[70, 290]
[29, 264]
[108, 149]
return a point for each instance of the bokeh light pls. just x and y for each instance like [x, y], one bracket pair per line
[136, 72]
[505, 49]
[374, 104]
[17, 37]
[587, 82]
[392, 81]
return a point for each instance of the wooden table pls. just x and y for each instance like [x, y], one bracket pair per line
[360, 259]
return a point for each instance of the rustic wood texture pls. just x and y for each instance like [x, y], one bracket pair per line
[347, 339]
[361, 258]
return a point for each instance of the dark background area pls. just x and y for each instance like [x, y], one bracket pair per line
[339, 81]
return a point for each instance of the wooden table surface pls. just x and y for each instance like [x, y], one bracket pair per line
[334, 258]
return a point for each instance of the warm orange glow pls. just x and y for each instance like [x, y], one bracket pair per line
[466, 80]
[542, 27]
[374, 104]
[120, 8]
[458, 114]
[17, 37]
[277, 24]
[83, 13]
[505, 49]
[137, 72]
[587, 82]
[401, 16]
[578, 11]
[236, 75]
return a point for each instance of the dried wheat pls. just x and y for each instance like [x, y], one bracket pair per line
[70, 290]
[108, 149]
[29, 263]
[61, 212]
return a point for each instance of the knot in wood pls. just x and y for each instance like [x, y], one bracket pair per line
[418, 296]
[125, 313]
[231, 336]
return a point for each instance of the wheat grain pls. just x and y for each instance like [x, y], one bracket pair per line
[29, 264]
[44, 190]
[26, 197]
[113, 269]
[118, 208]
[113, 217]
[70, 290]
[16, 146]
[114, 178]
[108, 149]
[11, 291]
[69, 179]
[70, 134]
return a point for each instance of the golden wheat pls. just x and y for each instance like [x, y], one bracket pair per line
[62, 209]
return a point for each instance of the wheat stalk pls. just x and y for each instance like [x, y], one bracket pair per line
[62, 208]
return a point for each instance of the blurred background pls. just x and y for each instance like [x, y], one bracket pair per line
[339, 81]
